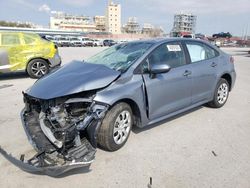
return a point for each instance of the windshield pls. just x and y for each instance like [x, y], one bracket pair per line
[120, 57]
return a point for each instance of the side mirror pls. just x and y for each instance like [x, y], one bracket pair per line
[159, 69]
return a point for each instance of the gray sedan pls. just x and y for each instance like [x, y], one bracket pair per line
[84, 104]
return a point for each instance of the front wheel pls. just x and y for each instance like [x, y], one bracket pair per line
[37, 68]
[116, 127]
[221, 94]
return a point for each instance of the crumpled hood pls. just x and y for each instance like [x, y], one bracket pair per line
[73, 78]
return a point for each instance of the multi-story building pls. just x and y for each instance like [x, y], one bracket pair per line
[132, 26]
[100, 23]
[184, 23]
[147, 29]
[113, 18]
[61, 20]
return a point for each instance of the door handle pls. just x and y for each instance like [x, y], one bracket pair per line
[213, 64]
[187, 73]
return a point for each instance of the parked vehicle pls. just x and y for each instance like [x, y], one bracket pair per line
[109, 42]
[131, 84]
[87, 41]
[97, 42]
[27, 51]
[47, 37]
[62, 41]
[75, 42]
[190, 36]
[200, 36]
[222, 35]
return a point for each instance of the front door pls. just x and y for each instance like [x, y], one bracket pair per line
[171, 91]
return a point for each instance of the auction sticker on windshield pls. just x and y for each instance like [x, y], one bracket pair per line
[174, 48]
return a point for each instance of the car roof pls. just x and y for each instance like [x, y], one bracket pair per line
[160, 40]
[157, 41]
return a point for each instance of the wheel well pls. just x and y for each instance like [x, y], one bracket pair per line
[37, 58]
[135, 110]
[228, 78]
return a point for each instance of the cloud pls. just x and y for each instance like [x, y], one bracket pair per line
[44, 8]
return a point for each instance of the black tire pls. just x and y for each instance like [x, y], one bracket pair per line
[216, 102]
[37, 68]
[105, 137]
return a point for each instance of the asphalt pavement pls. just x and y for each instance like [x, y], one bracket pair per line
[204, 147]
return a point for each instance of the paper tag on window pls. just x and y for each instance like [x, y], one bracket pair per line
[174, 48]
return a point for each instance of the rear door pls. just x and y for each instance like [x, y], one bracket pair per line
[204, 62]
[12, 43]
[168, 92]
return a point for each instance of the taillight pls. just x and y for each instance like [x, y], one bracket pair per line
[231, 59]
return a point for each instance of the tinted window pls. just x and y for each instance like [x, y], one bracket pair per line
[170, 53]
[199, 52]
[10, 39]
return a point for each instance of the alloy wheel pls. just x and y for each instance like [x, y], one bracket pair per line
[39, 69]
[122, 127]
[222, 93]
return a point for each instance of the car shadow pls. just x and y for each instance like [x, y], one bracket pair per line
[13, 75]
[138, 130]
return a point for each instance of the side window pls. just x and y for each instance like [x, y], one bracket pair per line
[28, 39]
[210, 52]
[199, 52]
[10, 39]
[169, 53]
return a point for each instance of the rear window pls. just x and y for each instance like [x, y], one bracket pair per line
[10, 39]
[28, 39]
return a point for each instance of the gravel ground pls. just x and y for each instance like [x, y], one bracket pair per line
[202, 148]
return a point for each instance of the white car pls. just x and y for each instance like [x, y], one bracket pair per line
[97, 42]
[86, 41]
[62, 41]
[74, 41]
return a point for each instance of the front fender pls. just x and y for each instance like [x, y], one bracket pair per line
[127, 88]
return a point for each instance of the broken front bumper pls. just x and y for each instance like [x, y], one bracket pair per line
[53, 171]
[48, 160]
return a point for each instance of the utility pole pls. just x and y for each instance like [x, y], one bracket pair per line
[246, 35]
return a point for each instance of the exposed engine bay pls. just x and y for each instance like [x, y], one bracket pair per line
[63, 132]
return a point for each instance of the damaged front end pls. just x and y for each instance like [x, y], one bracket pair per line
[62, 130]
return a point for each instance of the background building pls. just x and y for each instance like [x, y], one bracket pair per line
[113, 18]
[147, 29]
[61, 20]
[184, 24]
[132, 26]
[100, 23]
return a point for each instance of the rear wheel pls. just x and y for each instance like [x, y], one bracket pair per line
[116, 127]
[221, 94]
[37, 68]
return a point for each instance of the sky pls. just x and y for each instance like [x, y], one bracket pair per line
[213, 16]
